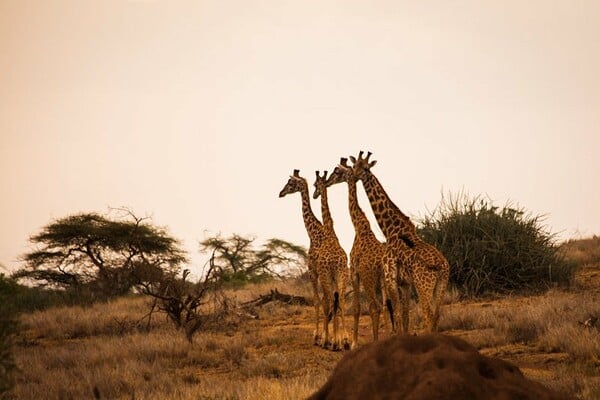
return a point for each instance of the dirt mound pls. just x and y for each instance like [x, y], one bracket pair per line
[431, 366]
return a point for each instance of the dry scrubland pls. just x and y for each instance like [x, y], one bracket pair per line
[70, 353]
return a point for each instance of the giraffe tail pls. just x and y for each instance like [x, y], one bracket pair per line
[390, 308]
[336, 302]
[336, 306]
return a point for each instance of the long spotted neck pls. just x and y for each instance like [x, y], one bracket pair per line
[393, 223]
[361, 224]
[325, 214]
[312, 224]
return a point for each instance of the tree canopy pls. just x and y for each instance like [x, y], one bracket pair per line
[107, 255]
[238, 259]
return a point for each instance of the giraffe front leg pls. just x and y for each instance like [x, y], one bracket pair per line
[317, 305]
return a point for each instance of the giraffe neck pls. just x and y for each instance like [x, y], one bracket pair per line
[393, 223]
[312, 224]
[325, 214]
[362, 227]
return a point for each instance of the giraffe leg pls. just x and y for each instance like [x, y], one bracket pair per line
[425, 293]
[382, 304]
[374, 310]
[328, 314]
[339, 288]
[404, 288]
[355, 307]
[344, 277]
[317, 304]
[336, 342]
[441, 284]
[392, 294]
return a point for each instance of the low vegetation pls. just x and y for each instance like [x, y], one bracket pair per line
[107, 348]
[68, 346]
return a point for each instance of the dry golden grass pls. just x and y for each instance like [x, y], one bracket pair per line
[583, 251]
[67, 353]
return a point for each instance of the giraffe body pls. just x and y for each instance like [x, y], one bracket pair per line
[408, 260]
[325, 257]
[332, 259]
[366, 256]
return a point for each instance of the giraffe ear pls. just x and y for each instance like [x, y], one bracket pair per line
[353, 159]
[372, 163]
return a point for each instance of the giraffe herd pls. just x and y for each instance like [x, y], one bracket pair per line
[403, 261]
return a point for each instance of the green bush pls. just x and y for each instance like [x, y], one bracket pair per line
[492, 249]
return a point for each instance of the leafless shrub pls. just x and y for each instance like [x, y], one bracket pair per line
[185, 302]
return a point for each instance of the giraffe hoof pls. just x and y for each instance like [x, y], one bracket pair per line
[326, 344]
[336, 347]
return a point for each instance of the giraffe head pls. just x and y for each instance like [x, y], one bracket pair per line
[362, 166]
[342, 173]
[294, 184]
[320, 184]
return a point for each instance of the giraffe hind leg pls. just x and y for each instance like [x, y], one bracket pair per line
[370, 286]
[441, 284]
[317, 305]
[426, 306]
[405, 290]
[390, 310]
[355, 308]
[336, 321]
[327, 313]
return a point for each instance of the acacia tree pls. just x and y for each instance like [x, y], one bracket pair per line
[104, 254]
[237, 259]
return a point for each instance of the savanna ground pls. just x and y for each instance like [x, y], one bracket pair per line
[105, 351]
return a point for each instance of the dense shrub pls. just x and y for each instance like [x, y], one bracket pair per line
[493, 249]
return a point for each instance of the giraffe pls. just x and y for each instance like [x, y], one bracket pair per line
[366, 256]
[335, 261]
[318, 256]
[408, 259]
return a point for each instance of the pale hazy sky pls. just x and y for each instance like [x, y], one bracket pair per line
[196, 112]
